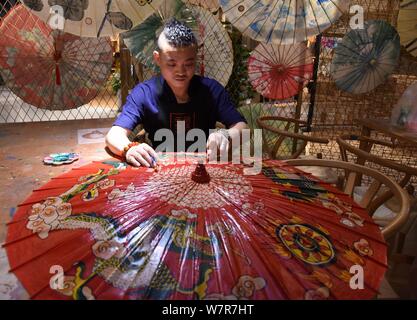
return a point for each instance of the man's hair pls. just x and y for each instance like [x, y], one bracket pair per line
[177, 35]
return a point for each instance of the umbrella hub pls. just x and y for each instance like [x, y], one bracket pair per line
[279, 69]
[200, 174]
[57, 55]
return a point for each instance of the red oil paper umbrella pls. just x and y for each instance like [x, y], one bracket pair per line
[192, 231]
[49, 69]
[280, 72]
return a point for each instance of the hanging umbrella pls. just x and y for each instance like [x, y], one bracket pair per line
[215, 53]
[280, 72]
[93, 18]
[211, 5]
[50, 69]
[193, 231]
[283, 22]
[366, 57]
[407, 25]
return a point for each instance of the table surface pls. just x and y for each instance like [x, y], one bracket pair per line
[384, 126]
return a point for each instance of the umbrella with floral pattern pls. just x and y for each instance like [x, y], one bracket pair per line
[366, 57]
[283, 22]
[87, 18]
[193, 231]
[50, 69]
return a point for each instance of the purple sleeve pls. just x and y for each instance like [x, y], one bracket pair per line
[133, 110]
[226, 110]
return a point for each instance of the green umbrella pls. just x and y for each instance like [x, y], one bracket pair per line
[215, 50]
[366, 57]
[251, 112]
[142, 40]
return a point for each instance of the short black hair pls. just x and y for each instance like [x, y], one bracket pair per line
[178, 35]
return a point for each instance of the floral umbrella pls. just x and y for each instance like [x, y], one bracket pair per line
[215, 53]
[283, 22]
[407, 25]
[193, 231]
[49, 69]
[280, 72]
[366, 57]
[87, 18]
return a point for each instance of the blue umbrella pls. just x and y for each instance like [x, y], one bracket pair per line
[366, 57]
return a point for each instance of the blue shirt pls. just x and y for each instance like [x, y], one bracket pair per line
[153, 104]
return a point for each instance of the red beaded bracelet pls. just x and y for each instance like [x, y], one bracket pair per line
[130, 145]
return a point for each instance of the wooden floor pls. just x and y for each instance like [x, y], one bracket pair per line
[23, 147]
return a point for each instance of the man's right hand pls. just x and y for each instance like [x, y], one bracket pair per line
[142, 155]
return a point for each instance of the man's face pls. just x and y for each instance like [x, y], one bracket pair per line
[177, 66]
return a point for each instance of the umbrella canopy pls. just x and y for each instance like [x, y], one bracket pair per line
[212, 5]
[283, 22]
[366, 57]
[280, 72]
[407, 25]
[96, 18]
[193, 231]
[215, 53]
[50, 69]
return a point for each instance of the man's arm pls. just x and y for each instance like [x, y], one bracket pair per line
[117, 139]
[141, 155]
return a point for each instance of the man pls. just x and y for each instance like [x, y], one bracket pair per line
[176, 96]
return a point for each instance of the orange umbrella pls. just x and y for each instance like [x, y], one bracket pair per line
[49, 69]
[193, 231]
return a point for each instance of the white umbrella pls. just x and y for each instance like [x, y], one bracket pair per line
[93, 18]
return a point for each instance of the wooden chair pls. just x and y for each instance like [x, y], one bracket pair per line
[363, 156]
[371, 198]
[289, 130]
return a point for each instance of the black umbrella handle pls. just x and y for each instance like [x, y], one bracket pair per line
[104, 19]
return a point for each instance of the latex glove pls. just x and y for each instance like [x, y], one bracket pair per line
[218, 141]
[142, 155]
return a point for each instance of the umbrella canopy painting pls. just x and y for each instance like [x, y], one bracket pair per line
[88, 18]
[366, 57]
[215, 53]
[283, 22]
[280, 72]
[407, 25]
[50, 69]
[189, 230]
[212, 5]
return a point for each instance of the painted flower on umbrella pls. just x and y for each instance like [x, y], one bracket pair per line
[48, 215]
[73, 10]
[108, 249]
[69, 287]
[363, 247]
[116, 193]
[247, 285]
[36, 5]
[105, 184]
[318, 294]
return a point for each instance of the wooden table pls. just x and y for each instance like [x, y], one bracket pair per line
[384, 126]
